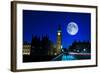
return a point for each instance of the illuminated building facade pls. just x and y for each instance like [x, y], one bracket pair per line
[59, 40]
[26, 48]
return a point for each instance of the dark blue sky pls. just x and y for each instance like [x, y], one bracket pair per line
[46, 22]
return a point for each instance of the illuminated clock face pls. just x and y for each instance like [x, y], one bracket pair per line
[58, 33]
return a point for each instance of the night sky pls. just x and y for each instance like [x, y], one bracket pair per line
[46, 23]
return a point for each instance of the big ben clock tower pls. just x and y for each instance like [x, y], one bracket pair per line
[59, 40]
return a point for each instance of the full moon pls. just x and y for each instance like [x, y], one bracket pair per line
[72, 28]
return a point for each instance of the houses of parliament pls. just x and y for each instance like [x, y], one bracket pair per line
[55, 49]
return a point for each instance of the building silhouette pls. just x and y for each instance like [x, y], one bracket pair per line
[80, 47]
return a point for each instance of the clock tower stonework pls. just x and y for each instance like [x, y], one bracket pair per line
[59, 40]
